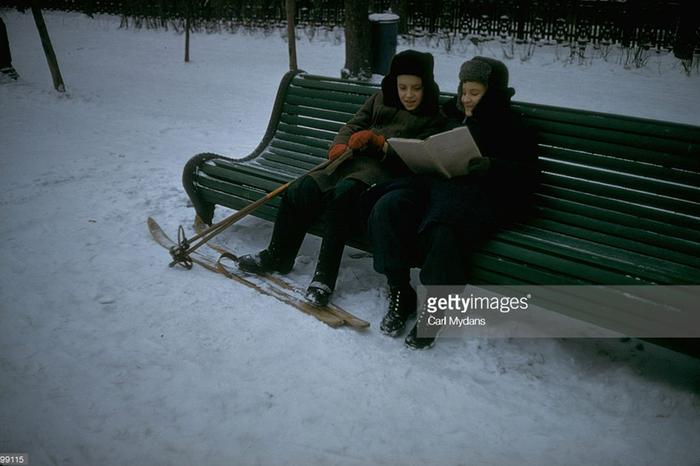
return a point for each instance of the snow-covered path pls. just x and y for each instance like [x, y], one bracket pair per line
[109, 357]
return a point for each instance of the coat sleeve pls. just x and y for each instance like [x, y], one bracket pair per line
[361, 120]
[515, 164]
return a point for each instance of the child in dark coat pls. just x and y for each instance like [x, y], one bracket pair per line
[406, 106]
[435, 223]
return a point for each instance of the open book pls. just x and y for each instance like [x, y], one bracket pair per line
[447, 154]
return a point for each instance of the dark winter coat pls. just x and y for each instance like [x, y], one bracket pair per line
[389, 121]
[485, 200]
[479, 203]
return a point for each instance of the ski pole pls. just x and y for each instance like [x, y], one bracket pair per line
[184, 248]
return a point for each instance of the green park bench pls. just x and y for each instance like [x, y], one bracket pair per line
[618, 202]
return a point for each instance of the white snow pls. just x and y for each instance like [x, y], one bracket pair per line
[107, 356]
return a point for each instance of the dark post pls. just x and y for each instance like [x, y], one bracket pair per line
[686, 35]
[48, 48]
[188, 25]
[291, 34]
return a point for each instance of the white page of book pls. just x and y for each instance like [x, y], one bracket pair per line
[446, 153]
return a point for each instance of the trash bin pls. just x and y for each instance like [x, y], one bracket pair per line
[385, 29]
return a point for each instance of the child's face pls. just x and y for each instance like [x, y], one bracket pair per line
[410, 90]
[472, 92]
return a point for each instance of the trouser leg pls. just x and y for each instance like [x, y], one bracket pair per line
[443, 256]
[393, 228]
[301, 206]
[340, 221]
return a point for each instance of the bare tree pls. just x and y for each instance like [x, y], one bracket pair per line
[358, 53]
[291, 9]
[48, 48]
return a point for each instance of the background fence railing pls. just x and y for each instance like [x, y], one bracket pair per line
[637, 25]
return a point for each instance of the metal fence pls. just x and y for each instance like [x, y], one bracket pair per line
[639, 24]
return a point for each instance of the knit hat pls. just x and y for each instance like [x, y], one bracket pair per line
[417, 64]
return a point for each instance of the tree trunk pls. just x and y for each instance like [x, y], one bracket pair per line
[48, 48]
[188, 25]
[291, 34]
[358, 53]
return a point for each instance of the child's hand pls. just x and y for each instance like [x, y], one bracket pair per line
[366, 140]
[336, 151]
[479, 165]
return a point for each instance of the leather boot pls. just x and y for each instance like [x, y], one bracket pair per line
[266, 261]
[414, 341]
[402, 306]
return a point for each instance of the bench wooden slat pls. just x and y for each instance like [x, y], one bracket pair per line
[292, 170]
[266, 212]
[636, 264]
[502, 271]
[328, 115]
[566, 267]
[623, 165]
[302, 141]
[331, 84]
[655, 201]
[317, 152]
[240, 177]
[554, 143]
[303, 131]
[310, 122]
[686, 197]
[251, 167]
[620, 236]
[319, 99]
[226, 188]
[616, 138]
[612, 204]
[537, 114]
[293, 158]
[332, 97]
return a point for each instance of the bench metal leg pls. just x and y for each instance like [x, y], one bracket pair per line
[204, 210]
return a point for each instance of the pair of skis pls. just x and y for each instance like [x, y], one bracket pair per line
[267, 284]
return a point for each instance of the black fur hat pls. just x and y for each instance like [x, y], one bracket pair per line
[417, 64]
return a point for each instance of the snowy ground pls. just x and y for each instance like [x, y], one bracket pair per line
[109, 357]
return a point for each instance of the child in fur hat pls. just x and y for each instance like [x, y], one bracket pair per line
[441, 221]
[406, 106]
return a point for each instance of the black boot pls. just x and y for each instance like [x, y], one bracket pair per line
[427, 341]
[265, 261]
[402, 306]
[299, 208]
[318, 293]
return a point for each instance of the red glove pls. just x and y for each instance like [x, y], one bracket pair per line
[366, 139]
[336, 151]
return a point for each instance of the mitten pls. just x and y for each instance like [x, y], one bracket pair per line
[479, 165]
[336, 151]
[366, 140]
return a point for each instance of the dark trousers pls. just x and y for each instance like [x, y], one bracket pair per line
[303, 204]
[439, 250]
